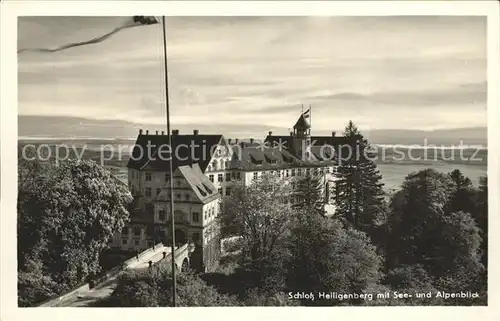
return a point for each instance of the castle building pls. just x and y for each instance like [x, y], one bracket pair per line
[203, 167]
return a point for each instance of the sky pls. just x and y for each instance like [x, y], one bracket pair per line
[238, 75]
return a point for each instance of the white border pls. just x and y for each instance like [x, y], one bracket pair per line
[8, 121]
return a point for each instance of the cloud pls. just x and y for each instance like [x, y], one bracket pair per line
[259, 70]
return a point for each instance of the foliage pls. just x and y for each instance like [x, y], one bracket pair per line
[360, 196]
[309, 194]
[426, 236]
[153, 288]
[259, 214]
[67, 215]
[325, 256]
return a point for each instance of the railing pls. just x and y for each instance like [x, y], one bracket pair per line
[85, 287]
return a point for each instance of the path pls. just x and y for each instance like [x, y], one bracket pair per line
[105, 289]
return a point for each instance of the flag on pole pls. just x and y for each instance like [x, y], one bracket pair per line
[129, 22]
[307, 113]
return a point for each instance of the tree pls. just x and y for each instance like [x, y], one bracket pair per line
[415, 218]
[259, 213]
[464, 194]
[360, 195]
[153, 288]
[67, 215]
[324, 256]
[423, 233]
[309, 194]
[481, 217]
[412, 279]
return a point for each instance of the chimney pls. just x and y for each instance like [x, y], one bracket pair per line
[156, 132]
[270, 133]
[251, 140]
[140, 131]
[333, 134]
[175, 132]
[195, 132]
[229, 141]
[147, 132]
[163, 132]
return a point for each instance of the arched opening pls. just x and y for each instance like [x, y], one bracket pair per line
[185, 265]
[180, 237]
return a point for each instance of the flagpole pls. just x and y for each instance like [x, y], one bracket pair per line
[310, 117]
[169, 135]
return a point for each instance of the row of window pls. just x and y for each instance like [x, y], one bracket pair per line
[135, 241]
[211, 212]
[297, 172]
[148, 176]
[220, 177]
[136, 231]
[148, 191]
[218, 165]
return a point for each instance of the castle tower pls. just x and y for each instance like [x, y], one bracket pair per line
[302, 137]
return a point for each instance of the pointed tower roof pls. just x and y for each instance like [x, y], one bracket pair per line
[302, 123]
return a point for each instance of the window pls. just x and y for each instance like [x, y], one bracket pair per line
[307, 171]
[178, 196]
[293, 172]
[158, 191]
[149, 208]
[211, 177]
[124, 241]
[148, 191]
[178, 182]
[299, 172]
[215, 165]
[279, 173]
[227, 164]
[161, 215]
[220, 178]
[167, 176]
[136, 242]
[125, 231]
[255, 175]
[287, 173]
[137, 231]
[228, 191]
[186, 197]
[220, 190]
[148, 176]
[238, 176]
[228, 178]
[196, 217]
[196, 237]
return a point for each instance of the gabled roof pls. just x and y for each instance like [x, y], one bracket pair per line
[186, 150]
[198, 182]
[258, 158]
[286, 143]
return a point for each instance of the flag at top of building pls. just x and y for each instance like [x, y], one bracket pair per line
[129, 22]
[307, 113]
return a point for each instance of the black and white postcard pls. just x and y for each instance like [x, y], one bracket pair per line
[293, 155]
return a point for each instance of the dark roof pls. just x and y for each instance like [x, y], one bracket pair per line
[302, 123]
[286, 142]
[258, 158]
[199, 149]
